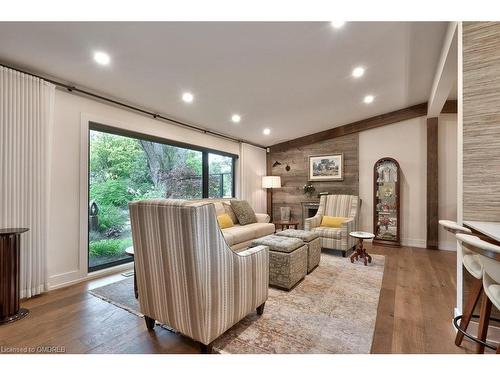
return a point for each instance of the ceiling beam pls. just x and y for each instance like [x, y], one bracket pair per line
[354, 127]
[446, 73]
[450, 106]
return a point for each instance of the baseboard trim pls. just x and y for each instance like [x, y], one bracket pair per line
[63, 279]
[413, 242]
[448, 246]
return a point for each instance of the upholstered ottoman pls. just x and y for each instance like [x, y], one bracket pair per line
[313, 245]
[287, 260]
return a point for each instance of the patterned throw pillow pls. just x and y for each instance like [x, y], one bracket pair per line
[243, 211]
[229, 210]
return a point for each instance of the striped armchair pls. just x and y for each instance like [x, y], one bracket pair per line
[339, 206]
[187, 276]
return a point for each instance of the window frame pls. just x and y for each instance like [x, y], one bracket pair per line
[96, 126]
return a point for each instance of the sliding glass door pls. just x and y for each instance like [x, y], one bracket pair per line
[125, 166]
[220, 176]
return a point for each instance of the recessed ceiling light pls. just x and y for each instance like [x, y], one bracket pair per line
[266, 131]
[358, 71]
[235, 118]
[102, 58]
[368, 99]
[337, 24]
[187, 97]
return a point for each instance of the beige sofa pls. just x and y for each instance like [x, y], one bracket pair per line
[241, 236]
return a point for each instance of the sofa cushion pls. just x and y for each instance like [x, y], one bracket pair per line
[242, 233]
[329, 232]
[219, 208]
[243, 211]
[229, 210]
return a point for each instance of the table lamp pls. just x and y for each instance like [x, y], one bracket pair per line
[270, 182]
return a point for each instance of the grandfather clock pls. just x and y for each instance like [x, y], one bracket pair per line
[386, 202]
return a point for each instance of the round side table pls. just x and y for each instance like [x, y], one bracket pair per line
[360, 251]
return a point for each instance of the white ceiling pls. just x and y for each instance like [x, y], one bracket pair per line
[293, 77]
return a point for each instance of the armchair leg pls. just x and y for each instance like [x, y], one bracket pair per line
[260, 309]
[150, 323]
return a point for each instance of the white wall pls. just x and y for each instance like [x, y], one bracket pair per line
[66, 263]
[252, 168]
[447, 179]
[406, 142]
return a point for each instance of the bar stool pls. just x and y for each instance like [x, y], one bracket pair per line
[490, 260]
[472, 263]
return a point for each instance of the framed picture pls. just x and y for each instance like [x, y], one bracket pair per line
[326, 167]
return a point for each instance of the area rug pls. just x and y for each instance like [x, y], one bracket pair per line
[333, 310]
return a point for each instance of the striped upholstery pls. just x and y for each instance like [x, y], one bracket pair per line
[339, 206]
[187, 276]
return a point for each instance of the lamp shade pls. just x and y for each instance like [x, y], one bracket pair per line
[271, 182]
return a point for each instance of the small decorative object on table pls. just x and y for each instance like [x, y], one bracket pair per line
[309, 189]
[360, 251]
[285, 213]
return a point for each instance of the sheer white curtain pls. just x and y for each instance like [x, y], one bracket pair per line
[26, 118]
[252, 168]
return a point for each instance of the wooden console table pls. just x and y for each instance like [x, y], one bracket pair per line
[10, 311]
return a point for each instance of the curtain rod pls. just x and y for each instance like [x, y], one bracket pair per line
[156, 116]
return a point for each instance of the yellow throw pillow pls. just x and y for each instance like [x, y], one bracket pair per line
[225, 221]
[332, 221]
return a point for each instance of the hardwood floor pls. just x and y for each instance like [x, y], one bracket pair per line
[416, 302]
[414, 314]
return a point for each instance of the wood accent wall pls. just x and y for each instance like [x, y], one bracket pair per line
[481, 121]
[291, 194]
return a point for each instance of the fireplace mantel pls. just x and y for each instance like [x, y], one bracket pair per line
[309, 209]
